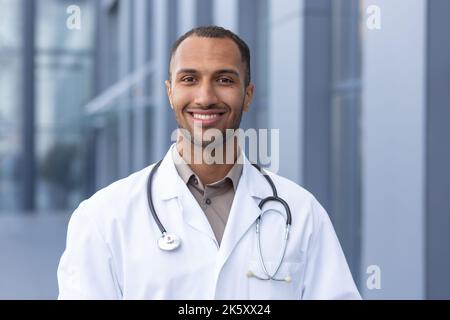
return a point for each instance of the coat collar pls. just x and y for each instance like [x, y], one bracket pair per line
[167, 178]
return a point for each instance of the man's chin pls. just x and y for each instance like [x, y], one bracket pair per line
[203, 143]
[203, 139]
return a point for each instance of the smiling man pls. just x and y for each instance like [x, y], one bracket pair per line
[187, 229]
[209, 87]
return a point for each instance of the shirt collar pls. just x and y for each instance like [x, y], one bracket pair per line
[185, 171]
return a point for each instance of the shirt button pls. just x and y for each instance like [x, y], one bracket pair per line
[208, 201]
[195, 181]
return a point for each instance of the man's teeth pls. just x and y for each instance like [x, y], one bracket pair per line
[205, 116]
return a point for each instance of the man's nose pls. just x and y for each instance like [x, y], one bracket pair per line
[206, 95]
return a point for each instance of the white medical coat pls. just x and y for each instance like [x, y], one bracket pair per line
[112, 251]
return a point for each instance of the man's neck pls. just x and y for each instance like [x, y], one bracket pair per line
[205, 168]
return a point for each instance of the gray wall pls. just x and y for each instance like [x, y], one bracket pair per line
[393, 149]
[286, 69]
[438, 152]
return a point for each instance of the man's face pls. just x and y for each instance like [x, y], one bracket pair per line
[207, 86]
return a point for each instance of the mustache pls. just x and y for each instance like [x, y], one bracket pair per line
[209, 107]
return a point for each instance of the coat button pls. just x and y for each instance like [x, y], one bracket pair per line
[208, 201]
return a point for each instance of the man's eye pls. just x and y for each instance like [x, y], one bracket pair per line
[188, 79]
[225, 80]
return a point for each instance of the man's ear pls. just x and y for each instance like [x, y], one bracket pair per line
[248, 96]
[169, 92]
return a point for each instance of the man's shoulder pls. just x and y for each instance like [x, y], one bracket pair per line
[112, 200]
[289, 188]
[298, 197]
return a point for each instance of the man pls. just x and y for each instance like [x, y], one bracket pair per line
[208, 236]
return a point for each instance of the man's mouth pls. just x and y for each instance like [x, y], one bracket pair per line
[206, 117]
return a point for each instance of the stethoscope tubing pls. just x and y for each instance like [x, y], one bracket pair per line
[274, 197]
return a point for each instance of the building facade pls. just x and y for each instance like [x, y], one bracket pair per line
[357, 89]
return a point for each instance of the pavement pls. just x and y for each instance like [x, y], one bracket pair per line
[30, 248]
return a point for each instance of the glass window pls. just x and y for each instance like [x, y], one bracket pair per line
[64, 66]
[10, 103]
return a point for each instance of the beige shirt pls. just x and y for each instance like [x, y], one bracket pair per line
[215, 198]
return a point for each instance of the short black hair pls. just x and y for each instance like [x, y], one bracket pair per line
[221, 33]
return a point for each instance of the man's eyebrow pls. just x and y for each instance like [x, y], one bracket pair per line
[234, 72]
[221, 71]
[187, 71]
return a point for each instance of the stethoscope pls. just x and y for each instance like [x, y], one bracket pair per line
[170, 242]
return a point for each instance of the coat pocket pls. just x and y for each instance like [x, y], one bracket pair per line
[289, 288]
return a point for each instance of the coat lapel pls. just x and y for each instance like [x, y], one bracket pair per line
[244, 211]
[171, 185]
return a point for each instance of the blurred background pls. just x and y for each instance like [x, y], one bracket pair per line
[360, 91]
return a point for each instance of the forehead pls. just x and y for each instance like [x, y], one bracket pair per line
[200, 53]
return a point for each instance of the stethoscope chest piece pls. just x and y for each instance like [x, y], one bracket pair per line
[169, 242]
